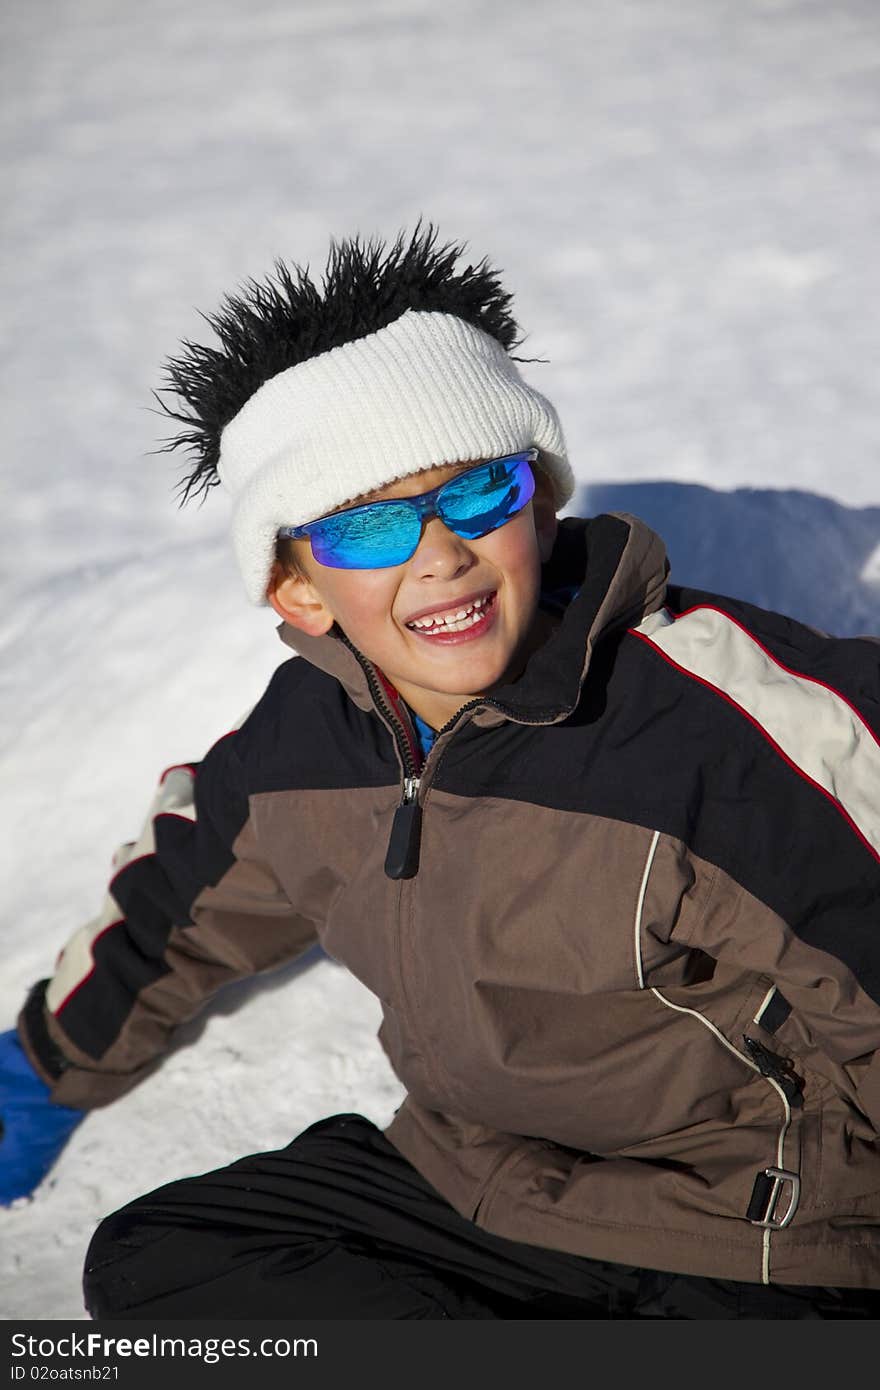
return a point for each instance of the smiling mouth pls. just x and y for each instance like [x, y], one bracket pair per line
[466, 618]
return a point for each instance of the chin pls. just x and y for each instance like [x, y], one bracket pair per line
[475, 684]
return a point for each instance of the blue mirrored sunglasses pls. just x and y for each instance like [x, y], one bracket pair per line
[380, 534]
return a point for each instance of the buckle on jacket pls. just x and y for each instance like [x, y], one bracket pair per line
[769, 1183]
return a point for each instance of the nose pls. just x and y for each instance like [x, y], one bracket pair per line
[441, 554]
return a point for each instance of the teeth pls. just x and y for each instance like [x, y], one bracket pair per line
[452, 621]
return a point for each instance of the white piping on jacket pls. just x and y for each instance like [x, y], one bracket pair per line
[763, 1004]
[640, 906]
[780, 1142]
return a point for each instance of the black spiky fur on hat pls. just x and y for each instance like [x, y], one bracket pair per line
[287, 319]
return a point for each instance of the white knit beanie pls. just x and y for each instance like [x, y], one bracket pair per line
[427, 389]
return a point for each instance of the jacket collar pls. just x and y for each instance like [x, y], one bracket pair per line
[618, 567]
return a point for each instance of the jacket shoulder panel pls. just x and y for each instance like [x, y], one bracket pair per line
[306, 733]
[848, 665]
[810, 724]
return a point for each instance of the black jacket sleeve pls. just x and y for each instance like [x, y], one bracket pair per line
[191, 906]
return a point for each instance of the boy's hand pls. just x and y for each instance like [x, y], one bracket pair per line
[32, 1130]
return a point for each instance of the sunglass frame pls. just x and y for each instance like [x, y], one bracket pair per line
[424, 505]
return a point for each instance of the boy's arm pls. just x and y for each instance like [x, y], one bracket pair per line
[796, 895]
[191, 907]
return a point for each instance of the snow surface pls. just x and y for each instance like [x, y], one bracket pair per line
[684, 197]
[793, 552]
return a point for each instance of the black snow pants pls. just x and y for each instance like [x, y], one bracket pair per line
[339, 1225]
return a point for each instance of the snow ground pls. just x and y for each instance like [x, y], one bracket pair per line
[684, 196]
[752, 542]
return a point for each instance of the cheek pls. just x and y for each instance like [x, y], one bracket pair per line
[361, 601]
[514, 551]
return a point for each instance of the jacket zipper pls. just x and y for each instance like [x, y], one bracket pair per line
[404, 842]
[402, 856]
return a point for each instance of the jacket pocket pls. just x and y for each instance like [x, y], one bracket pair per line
[840, 1158]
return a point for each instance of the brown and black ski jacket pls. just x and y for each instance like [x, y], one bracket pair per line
[624, 923]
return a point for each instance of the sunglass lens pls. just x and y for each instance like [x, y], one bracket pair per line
[485, 498]
[371, 537]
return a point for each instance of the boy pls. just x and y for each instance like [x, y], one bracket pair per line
[605, 849]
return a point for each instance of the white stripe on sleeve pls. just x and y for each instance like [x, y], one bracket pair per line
[77, 961]
[813, 726]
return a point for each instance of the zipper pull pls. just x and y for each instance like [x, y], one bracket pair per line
[402, 859]
[778, 1069]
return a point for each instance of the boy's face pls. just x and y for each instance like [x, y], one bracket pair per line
[436, 672]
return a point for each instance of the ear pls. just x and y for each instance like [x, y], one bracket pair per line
[295, 599]
[544, 513]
